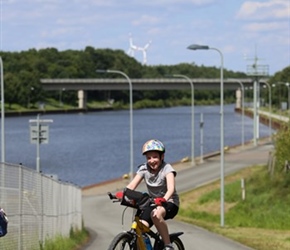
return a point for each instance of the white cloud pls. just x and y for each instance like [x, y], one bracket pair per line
[163, 3]
[229, 48]
[146, 19]
[253, 10]
[266, 26]
[59, 32]
[194, 2]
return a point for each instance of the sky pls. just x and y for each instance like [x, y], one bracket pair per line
[241, 31]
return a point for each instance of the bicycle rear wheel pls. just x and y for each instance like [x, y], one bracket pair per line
[123, 241]
[177, 244]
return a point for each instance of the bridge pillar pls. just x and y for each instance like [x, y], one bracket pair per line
[82, 95]
[238, 98]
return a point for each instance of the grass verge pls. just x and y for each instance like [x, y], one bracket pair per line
[75, 242]
[260, 221]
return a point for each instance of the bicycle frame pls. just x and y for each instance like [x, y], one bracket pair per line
[140, 228]
[135, 235]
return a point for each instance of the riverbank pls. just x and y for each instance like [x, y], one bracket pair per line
[54, 111]
[275, 121]
[119, 183]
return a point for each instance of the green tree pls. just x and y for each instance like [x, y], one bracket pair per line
[10, 86]
[23, 71]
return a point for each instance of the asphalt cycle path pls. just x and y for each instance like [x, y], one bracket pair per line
[104, 219]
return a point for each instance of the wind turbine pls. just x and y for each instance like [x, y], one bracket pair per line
[132, 47]
[144, 51]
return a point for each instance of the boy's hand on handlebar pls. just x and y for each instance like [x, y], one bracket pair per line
[119, 195]
[159, 201]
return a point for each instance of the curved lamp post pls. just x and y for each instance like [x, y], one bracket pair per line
[243, 109]
[131, 112]
[192, 113]
[2, 129]
[2, 113]
[270, 108]
[205, 47]
[288, 88]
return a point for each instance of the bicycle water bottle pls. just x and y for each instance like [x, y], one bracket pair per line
[147, 242]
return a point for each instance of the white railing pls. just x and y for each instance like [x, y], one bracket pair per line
[38, 207]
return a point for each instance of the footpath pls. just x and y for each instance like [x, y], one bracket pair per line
[119, 183]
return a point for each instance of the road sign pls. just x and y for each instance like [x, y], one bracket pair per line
[40, 133]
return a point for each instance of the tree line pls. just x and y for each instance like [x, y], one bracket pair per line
[23, 71]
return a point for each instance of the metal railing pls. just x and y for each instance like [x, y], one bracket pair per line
[38, 207]
[257, 70]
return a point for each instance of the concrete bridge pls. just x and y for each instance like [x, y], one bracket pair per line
[84, 85]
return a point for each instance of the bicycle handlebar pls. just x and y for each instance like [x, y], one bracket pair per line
[119, 199]
[113, 197]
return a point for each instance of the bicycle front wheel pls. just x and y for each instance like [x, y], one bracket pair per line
[177, 244]
[123, 241]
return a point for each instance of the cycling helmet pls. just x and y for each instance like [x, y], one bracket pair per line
[153, 145]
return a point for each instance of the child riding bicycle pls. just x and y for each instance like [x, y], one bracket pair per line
[159, 177]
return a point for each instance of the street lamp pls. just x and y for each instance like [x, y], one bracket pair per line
[205, 47]
[2, 128]
[192, 114]
[288, 87]
[270, 109]
[60, 97]
[279, 101]
[2, 113]
[243, 109]
[29, 94]
[131, 112]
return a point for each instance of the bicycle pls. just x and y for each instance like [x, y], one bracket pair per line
[134, 239]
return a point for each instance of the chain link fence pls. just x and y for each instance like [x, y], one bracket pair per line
[38, 207]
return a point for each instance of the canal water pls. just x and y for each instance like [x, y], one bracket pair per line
[89, 148]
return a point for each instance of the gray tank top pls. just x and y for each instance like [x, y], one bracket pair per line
[156, 183]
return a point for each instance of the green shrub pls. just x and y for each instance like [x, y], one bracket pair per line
[282, 154]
